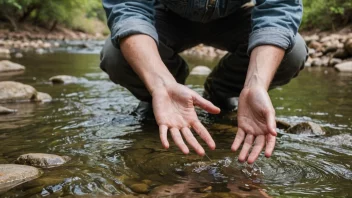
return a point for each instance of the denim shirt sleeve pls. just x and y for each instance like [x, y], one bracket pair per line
[275, 22]
[128, 17]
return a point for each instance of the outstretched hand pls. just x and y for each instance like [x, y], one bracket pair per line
[174, 110]
[256, 124]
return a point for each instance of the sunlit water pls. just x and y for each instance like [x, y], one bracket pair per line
[110, 149]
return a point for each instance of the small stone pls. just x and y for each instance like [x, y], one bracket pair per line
[306, 128]
[4, 53]
[8, 66]
[43, 97]
[12, 175]
[147, 181]
[309, 39]
[316, 45]
[334, 61]
[282, 125]
[14, 92]
[344, 67]
[140, 188]
[42, 160]
[201, 70]
[39, 51]
[206, 189]
[63, 79]
[18, 55]
[4, 110]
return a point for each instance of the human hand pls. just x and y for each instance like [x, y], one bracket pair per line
[174, 110]
[256, 124]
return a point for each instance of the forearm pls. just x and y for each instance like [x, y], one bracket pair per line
[141, 52]
[263, 64]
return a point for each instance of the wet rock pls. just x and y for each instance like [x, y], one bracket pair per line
[334, 61]
[39, 51]
[43, 97]
[282, 125]
[63, 79]
[344, 67]
[4, 53]
[12, 175]
[18, 55]
[4, 110]
[306, 128]
[14, 91]
[200, 70]
[8, 66]
[206, 189]
[140, 188]
[348, 46]
[147, 181]
[42, 160]
[311, 38]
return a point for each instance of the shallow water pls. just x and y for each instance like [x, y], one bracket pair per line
[110, 149]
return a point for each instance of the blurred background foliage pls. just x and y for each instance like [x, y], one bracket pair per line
[88, 15]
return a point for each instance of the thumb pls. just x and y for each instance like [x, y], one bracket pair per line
[205, 104]
[271, 122]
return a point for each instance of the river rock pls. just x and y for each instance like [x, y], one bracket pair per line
[316, 45]
[43, 97]
[4, 53]
[12, 175]
[306, 128]
[18, 55]
[4, 110]
[140, 188]
[334, 61]
[201, 70]
[8, 66]
[42, 160]
[14, 91]
[341, 53]
[344, 67]
[348, 46]
[282, 125]
[63, 79]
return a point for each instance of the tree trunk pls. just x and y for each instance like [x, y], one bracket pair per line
[53, 26]
[12, 21]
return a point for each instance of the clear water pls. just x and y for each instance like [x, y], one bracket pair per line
[110, 149]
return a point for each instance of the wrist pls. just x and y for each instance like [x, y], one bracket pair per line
[257, 81]
[160, 84]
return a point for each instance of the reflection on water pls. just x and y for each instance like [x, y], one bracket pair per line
[112, 150]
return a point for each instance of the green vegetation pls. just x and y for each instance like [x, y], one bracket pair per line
[81, 15]
[326, 14]
[88, 15]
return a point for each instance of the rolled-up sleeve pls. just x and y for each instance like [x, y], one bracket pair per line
[128, 17]
[275, 22]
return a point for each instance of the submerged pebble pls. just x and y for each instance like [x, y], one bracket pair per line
[63, 79]
[12, 175]
[201, 70]
[42, 160]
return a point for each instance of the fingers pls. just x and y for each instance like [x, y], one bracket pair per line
[187, 134]
[257, 148]
[238, 140]
[248, 142]
[176, 135]
[270, 144]
[205, 104]
[163, 136]
[204, 134]
[271, 122]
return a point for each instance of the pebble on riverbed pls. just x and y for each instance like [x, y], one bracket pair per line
[43, 97]
[200, 70]
[141, 188]
[8, 66]
[306, 128]
[344, 67]
[42, 160]
[12, 175]
[63, 79]
[5, 111]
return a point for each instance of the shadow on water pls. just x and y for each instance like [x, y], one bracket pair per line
[112, 150]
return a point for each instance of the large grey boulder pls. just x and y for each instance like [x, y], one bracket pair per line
[4, 110]
[14, 91]
[8, 66]
[63, 79]
[201, 70]
[306, 128]
[12, 175]
[344, 67]
[42, 160]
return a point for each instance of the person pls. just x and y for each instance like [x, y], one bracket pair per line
[264, 51]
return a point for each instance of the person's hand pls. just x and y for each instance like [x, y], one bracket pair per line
[174, 110]
[256, 124]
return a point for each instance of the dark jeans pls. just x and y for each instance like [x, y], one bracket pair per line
[177, 34]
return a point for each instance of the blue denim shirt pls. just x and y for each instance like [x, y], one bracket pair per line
[274, 22]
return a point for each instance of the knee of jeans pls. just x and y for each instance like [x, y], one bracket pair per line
[114, 64]
[292, 63]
